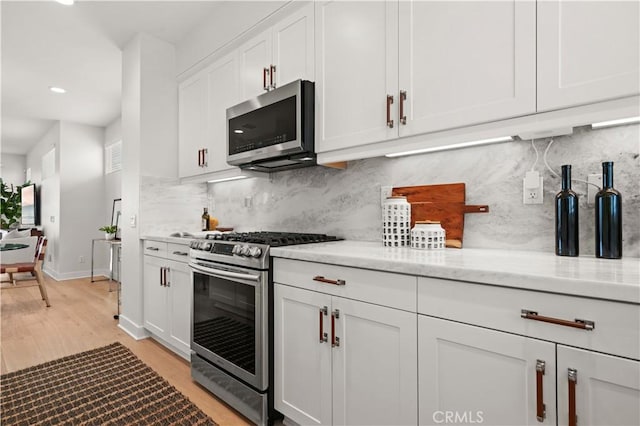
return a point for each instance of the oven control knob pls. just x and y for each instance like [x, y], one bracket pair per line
[255, 251]
[236, 249]
[245, 251]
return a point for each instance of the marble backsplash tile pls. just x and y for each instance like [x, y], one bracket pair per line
[347, 202]
[166, 206]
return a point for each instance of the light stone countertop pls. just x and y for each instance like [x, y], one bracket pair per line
[617, 280]
[174, 240]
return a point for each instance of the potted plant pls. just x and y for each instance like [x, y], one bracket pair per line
[109, 231]
[10, 210]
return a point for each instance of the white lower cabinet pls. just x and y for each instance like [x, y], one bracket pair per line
[476, 375]
[167, 300]
[342, 361]
[481, 350]
[597, 389]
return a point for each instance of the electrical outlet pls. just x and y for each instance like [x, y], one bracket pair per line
[532, 185]
[596, 179]
[248, 201]
[385, 191]
[81, 259]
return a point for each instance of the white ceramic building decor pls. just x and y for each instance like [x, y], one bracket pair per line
[396, 220]
[427, 235]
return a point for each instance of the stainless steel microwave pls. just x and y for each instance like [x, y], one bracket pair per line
[274, 131]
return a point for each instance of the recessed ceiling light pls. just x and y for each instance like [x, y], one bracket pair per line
[66, 2]
[57, 89]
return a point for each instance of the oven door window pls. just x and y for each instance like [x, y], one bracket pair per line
[224, 319]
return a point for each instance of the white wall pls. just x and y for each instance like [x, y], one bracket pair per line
[72, 200]
[13, 168]
[49, 190]
[149, 131]
[112, 181]
[81, 196]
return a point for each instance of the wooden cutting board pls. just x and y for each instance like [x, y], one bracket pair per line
[444, 203]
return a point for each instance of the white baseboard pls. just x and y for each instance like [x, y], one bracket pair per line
[132, 329]
[100, 273]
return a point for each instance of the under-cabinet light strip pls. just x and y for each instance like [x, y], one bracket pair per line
[227, 179]
[452, 146]
[619, 122]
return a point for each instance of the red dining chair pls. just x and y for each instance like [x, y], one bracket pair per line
[35, 268]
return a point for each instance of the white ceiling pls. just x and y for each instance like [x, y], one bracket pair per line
[77, 48]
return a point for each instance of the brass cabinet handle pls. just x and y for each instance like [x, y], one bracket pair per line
[167, 283]
[272, 74]
[153, 248]
[322, 279]
[264, 78]
[572, 376]
[323, 336]
[403, 97]
[541, 411]
[577, 323]
[162, 277]
[181, 253]
[335, 340]
[389, 120]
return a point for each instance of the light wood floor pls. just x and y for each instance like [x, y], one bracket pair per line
[81, 318]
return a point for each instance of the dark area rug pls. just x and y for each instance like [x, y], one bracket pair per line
[104, 386]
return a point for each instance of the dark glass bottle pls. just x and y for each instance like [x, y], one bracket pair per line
[205, 220]
[567, 230]
[608, 217]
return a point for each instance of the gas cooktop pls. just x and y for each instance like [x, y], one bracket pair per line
[273, 239]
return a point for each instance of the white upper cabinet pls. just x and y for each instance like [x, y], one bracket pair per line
[192, 123]
[463, 63]
[293, 48]
[391, 69]
[223, 93]
[279, 55]
[203, 101]
[255, 61]
[356, 69]
[588, 51]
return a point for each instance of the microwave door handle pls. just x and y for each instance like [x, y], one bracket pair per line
[224, 274]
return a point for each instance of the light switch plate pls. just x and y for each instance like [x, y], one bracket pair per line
[132, 221]
[385, 191]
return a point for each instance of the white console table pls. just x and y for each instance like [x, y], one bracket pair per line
[115, 247]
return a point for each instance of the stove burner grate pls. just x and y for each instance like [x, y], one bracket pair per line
[273, 239]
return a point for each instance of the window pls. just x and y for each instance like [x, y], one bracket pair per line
[113, 157]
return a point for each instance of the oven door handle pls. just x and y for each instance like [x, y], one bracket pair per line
[224, 274]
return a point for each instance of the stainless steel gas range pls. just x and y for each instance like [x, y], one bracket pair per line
[232, 317]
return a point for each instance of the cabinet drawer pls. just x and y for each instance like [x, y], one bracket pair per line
[382, 288]
[155, 248]
[616, 325]
[178, 252]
